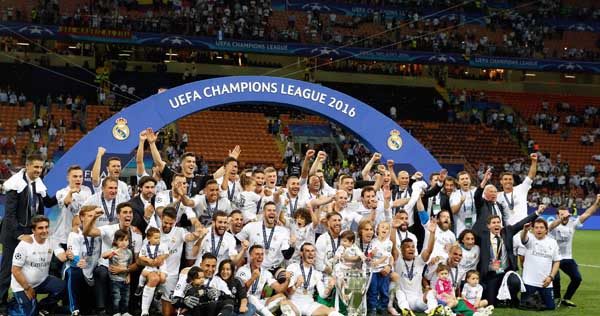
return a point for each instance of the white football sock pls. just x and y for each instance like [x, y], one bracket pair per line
[147, 298]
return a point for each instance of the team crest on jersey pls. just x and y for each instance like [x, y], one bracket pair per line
[18, 256]
[394, 142]
[120, 131]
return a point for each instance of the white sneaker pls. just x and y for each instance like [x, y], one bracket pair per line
[126, 314]
[117, 314]
[287, 310]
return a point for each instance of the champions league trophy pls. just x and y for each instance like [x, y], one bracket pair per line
[351, 285]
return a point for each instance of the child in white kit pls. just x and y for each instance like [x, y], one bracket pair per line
[348, 254]
[155, 253]
[303, 230]
[472, 292]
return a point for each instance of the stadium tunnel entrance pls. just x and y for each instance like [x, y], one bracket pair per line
[119, 133]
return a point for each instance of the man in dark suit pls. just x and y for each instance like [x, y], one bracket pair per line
[497, 256]
[143, 211]
[26, 197]
[433, 199]
[486, 204]
[143, 203]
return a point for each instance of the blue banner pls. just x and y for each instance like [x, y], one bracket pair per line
[296, 49]
[363, 10]
[119, 133]
[534, 64]
[400, 12]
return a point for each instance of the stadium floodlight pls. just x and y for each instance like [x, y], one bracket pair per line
[22, 44]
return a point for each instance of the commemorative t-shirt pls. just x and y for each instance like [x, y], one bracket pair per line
[34, 259]
[274, 240]
[539, 257]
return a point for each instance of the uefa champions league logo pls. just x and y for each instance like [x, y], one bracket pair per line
[176, 40]
[325, 51]
[581, 27]
[35, 30]
[442, 58]
[315, 6]
[570, 66]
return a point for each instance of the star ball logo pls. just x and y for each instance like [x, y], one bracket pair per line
[176, 40]
[35, 30]
[120, 131]
[315, 6]
[442, 58]
[325, 51]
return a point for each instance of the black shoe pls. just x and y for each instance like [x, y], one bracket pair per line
[139, 291]
[43, 312]
[102, 313]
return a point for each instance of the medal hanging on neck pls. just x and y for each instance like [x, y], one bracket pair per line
[292, 206]
[410, 273]
[364, 249]
[110, 215]
[89, 246]
[511, 203]
[306, 279]
[150, 254]
[176, 205]
[334, 247]
[230, 193]
[211, 211]
[267, 242]
[215, 250]
[255, 283]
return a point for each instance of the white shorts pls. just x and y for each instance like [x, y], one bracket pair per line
[411, 301]
[417, 304]
[162, 268]
[306, 306]
[169, 286]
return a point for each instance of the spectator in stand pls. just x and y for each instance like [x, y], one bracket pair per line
[12, 99]
[3, 96]
[4, 145]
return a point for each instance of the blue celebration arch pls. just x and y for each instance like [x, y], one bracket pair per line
[377, 131]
